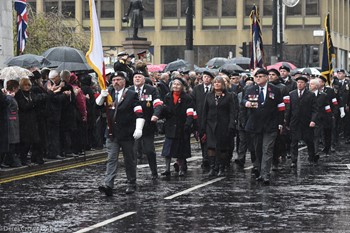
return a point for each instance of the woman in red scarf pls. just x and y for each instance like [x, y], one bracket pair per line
[178, 113]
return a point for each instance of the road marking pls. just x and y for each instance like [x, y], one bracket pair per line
[108, 221]
[50, 170]
[194, 188]
[247, 168]
[302, 148]
[348, 165]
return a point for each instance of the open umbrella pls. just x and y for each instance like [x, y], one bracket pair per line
[14, 72]
[243, 62]
[156, 68]
[176, 65]
[310, 71]
[216, 62]
[231, 67]
[28, 60]
[67, 58]
[279, 64]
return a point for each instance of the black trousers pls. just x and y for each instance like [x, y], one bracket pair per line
[307, 135]
[147, 144]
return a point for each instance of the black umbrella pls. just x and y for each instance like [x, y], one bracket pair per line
[216, 62]
[67, 58]
[179, 64]
[243, 62]
[231, 67]
[28, 60]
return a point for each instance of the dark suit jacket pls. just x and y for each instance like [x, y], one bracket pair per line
[290, 84]
[151, 105]
[333, 99]
[198, 96]
[218, 121]
[301, 110]
[129, 108]
[324, 115]
[163, 89]
[176, 117]
[265, 118]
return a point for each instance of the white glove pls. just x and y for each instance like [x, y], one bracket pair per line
[140, 122]
[101, 98]
[342, 112]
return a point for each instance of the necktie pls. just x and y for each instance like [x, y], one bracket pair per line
[139, 92]
[116, 97]
[206, 89]
[300, 93]
[261, 98]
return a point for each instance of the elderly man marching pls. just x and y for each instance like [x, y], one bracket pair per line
[265, 116]
[125, 124]
[151, 107]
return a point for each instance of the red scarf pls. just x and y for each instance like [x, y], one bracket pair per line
[176, 96]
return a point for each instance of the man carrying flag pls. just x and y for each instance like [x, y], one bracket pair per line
[328, 53]
[22, 22]
[124, 115]
[257, 50]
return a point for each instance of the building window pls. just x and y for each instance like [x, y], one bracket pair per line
[268, 8]
[32, 5]
[148, 12]
[107, 8]
[68, 9]
[210, 8]
[311, 7]
[294, 10]
[170, 9]
[229, 8]
[51, 7]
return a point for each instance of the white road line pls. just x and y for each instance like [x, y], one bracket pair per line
[194, 188]
[348, 165]
[302, 148]
[247, 168]
[108, 221]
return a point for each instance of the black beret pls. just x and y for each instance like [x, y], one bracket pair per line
[185, 72]
[208, 73]
[181, 81]
[248, 79]
[132, 55]
[234, 74]
[261, 71]
[323, 78]
[138, 72]
[302, 78]
[285, 67]
[120, 74]
[274, 71]
[36, 75]
[341, 70]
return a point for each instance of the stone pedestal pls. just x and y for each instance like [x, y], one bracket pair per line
[133, 46]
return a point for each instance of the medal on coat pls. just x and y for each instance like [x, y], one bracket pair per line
[347, 87]
[148, 104]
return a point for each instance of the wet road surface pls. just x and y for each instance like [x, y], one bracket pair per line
[307, 199]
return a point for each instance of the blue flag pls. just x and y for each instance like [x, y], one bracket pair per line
[257, 50]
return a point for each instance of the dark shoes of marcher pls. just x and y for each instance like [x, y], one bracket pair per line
[165, 173]
[130, 189]
[108, 191]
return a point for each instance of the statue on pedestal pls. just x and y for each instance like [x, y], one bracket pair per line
[136, 9]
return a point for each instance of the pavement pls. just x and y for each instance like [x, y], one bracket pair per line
[56, 163]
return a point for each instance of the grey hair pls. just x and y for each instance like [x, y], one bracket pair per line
[53, 74]
[221, 80]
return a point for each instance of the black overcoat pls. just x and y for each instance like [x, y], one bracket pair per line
[219, 119]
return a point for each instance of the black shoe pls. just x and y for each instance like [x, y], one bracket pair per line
[181, 173]
[256, 172]
[293, 165]
[260, 178]
[130, 189]
[266, 182]
[176, 167]
[274, 167]
[108, 191]
[154, 176]
[212, 173]
[165, 173]
[239, 163]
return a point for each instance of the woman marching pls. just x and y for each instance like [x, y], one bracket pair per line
[178, 113]
[218, 125]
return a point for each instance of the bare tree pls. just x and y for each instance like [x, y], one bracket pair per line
[47, 30]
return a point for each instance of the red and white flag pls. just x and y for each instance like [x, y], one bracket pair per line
[94, 56]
